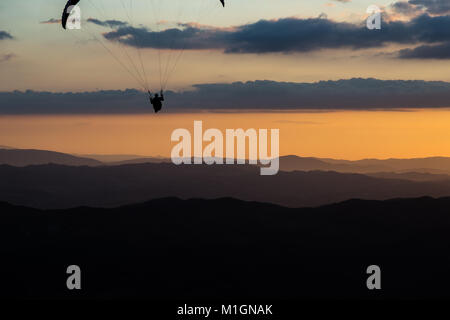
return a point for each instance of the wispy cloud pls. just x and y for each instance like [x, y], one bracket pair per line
[5, 35]
[51, 21]
[6, 57]
[108, 23]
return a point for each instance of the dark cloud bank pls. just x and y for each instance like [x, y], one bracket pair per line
[432, 6]
[353, 94]
[293, 35]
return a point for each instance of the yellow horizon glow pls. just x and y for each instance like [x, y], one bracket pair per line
[348, 135]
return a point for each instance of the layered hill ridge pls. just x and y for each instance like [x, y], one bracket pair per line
[58, 186]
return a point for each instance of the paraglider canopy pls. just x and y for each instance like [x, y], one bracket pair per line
[66, 12]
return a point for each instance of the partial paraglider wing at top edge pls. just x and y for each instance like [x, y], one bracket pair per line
[223, 2]
[66, 12]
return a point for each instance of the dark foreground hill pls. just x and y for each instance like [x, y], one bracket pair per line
[56, 186]
[225, 248]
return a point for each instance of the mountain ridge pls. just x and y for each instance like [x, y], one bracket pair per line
[218, 249]
[432, 165]
[62, 186]
[26, 157]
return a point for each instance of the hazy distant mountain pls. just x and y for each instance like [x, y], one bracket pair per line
[225, 248]
[141, 160]
[439, 167]
[56, 186]
[293, 163]
[413, 176]
[6, 147]
[26, 157]
[435, 165]
[110, 158]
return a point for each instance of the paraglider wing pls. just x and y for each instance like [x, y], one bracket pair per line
[66, 11]
[223, 2]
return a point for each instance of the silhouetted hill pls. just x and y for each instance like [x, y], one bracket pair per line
[423, 166]
[226, 248]
[413, 176]
[26, 157]
[292, 163]
[436, 165]
[56, 186]
[110, 158]
[140, 161]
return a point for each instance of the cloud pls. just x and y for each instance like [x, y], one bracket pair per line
[51, 21]
[108, 23]
[434, 36]
[441, 51]
[187, 38]
[352, 94]
[6, 57]
[288, 35]
[414, 7]
[98, 102]
[437, 7]
[5, 35]
[265, 36]
[297, 122]
[405, 8]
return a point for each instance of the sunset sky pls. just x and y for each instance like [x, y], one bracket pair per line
[40, 51]
[341, 135]
[298, 41]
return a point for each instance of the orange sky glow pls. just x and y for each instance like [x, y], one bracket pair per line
[343, 134]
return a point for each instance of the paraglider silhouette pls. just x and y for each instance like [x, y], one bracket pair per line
[136, 69]
[156, 101]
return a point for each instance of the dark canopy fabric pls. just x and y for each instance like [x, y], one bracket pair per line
[66, 11]
[70, 3]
